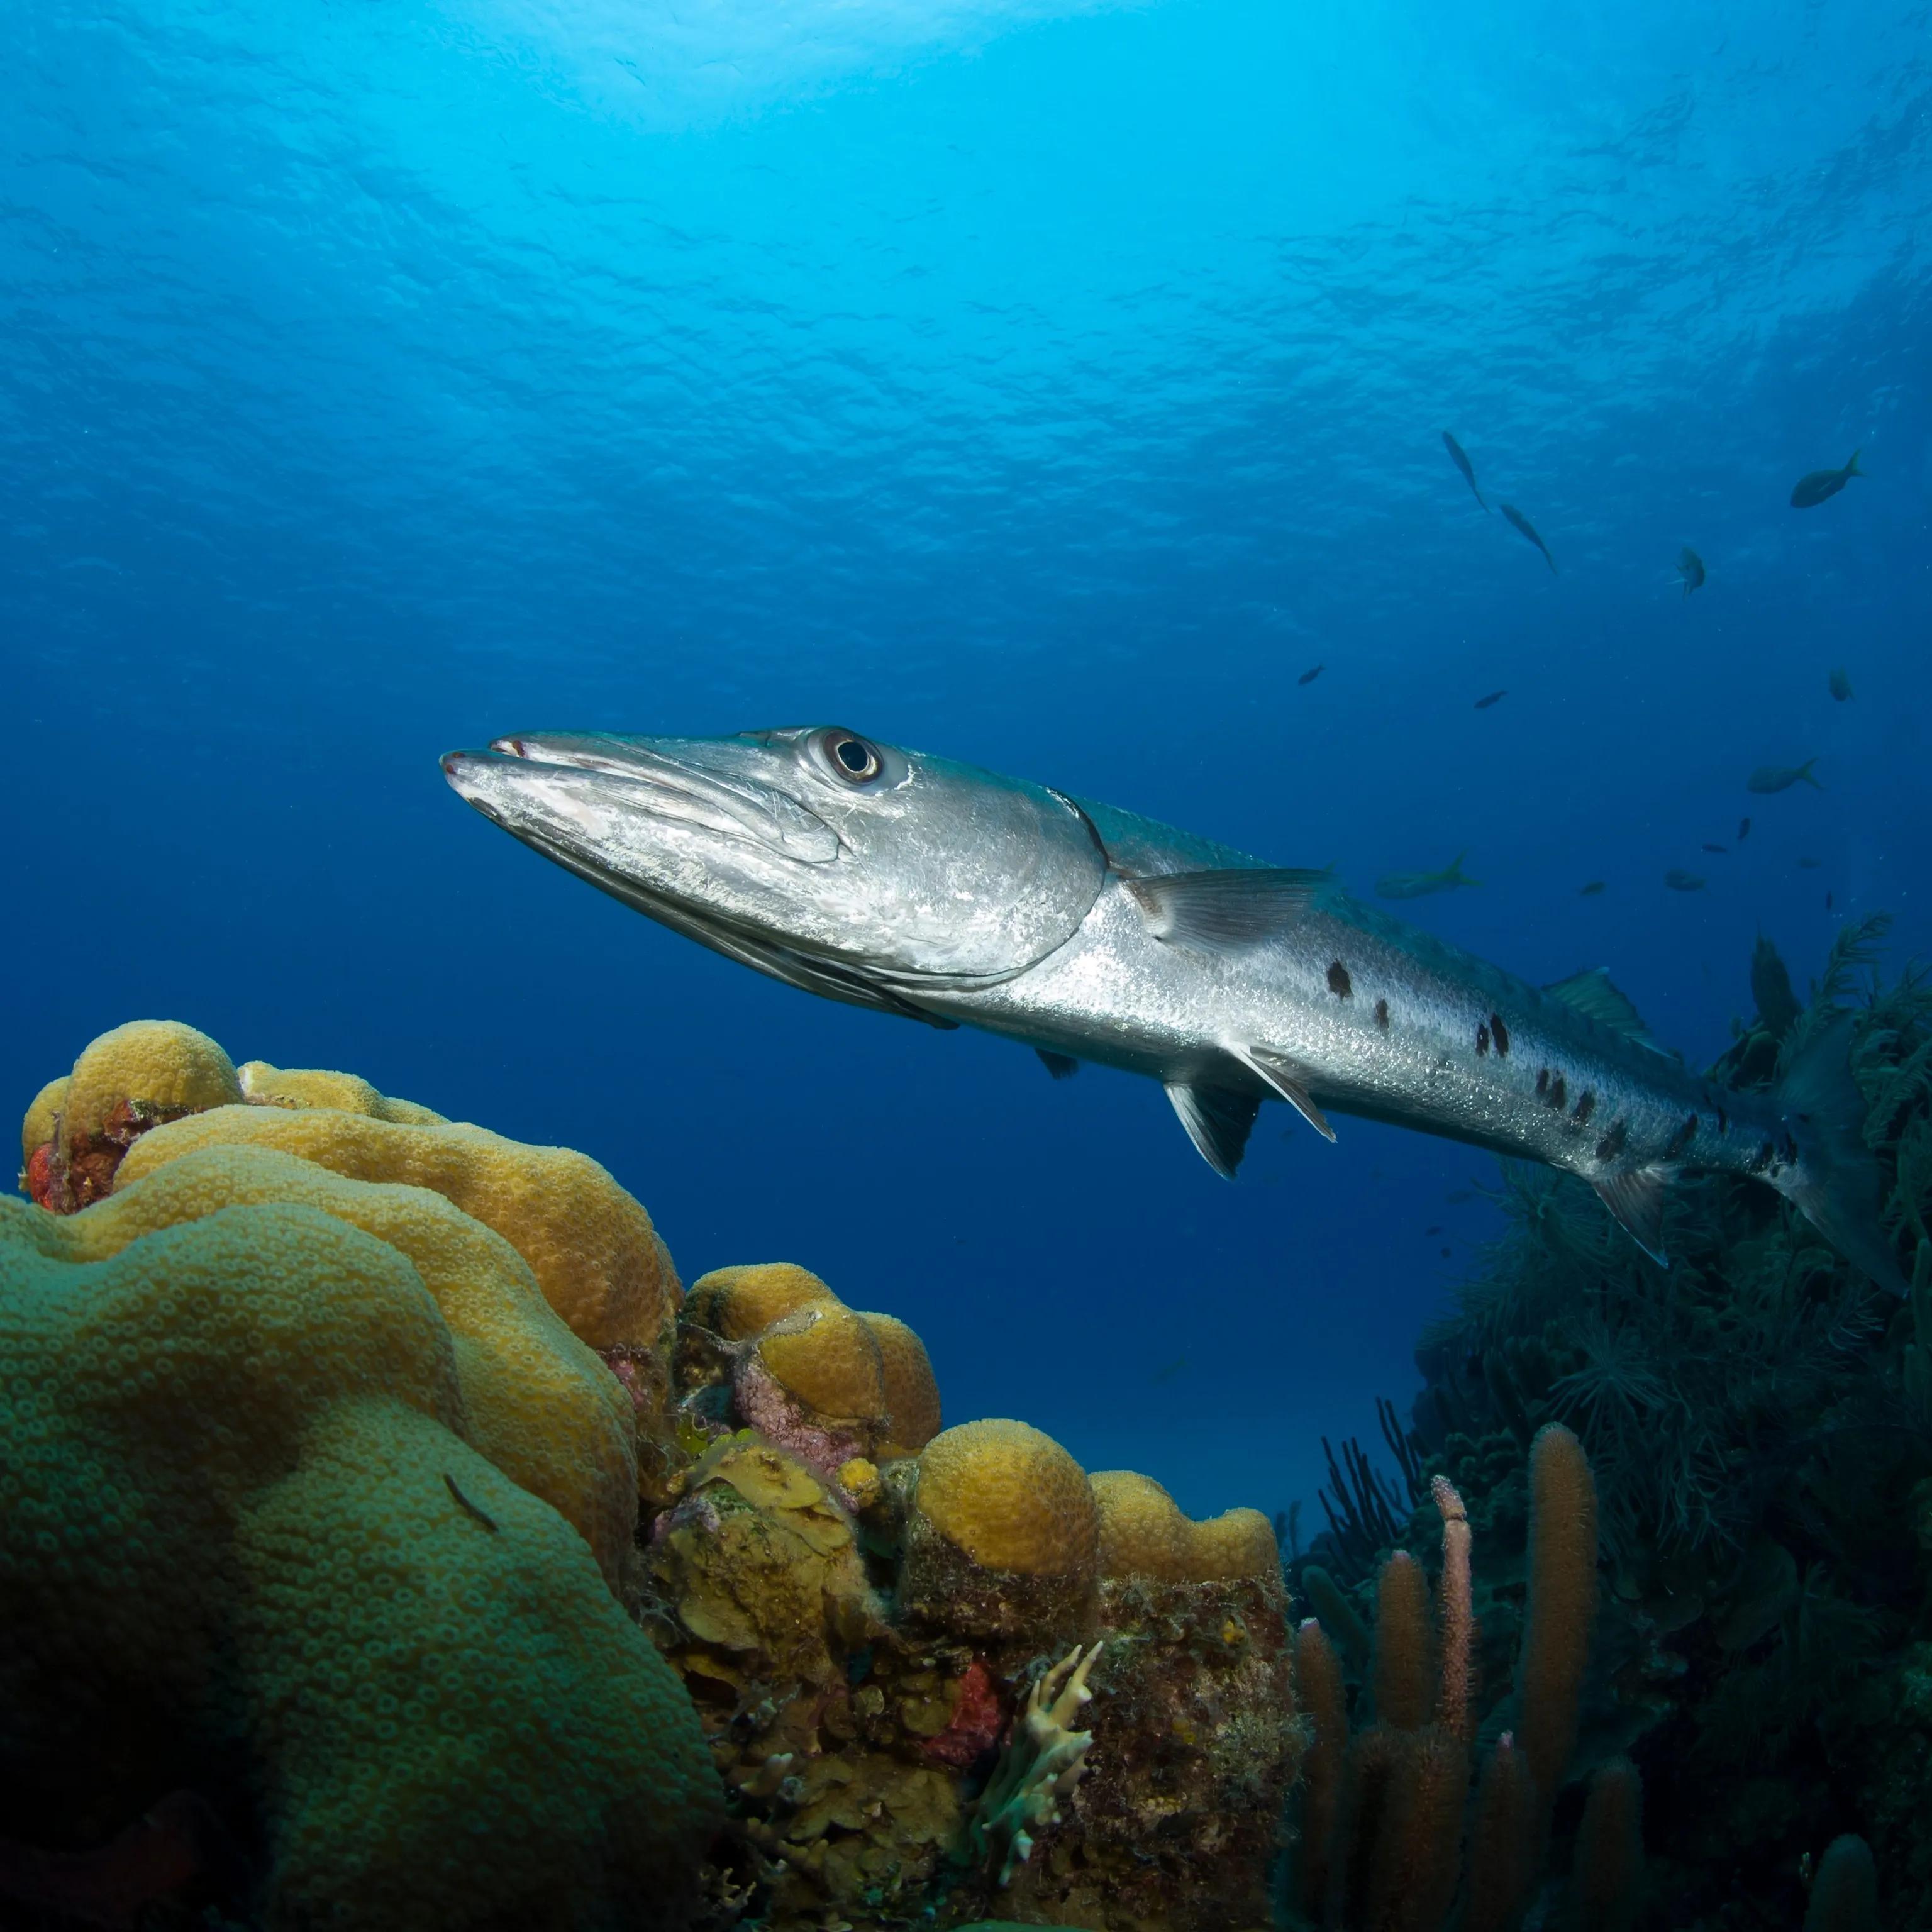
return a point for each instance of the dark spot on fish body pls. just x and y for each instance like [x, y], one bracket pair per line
[1586, 1105]
[1686, 1133]
[1790, 1146]
[1382, 1014]
[1724, 1122]
[1559, 1094]
[1761, 1158]
[1482, 1040]
[1340, 984]
[1543, 1080]
[1614, 1142]
[1500, 1034]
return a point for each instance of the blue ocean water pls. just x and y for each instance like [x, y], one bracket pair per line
[1047, 386]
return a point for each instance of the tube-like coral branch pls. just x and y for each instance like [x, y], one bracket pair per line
[1402, 1644]
[1502, 1841]
[1844, 1895]
[1562, 1604]
[1456, 1691]
[1317, 1674]
[1606, 1880]
[1417, 1860]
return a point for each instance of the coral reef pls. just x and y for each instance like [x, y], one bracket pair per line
[248, 1548]
[888, 1653]
[1406, 1844]
[1758, 1420]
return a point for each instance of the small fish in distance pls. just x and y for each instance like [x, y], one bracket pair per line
[1459, 1196]
[1691, 567]
[1459, 457]
[1310, 675]
[1436, 1229]
[1420, 885]
[1782, 778]
[1589, 891]
[1828, 901]
[1679, 880]
[1493, 697]
[1809, 864]
[1743, 830]
[1841, 685]
[1529, 530]
[1445, 1254]
[1709, 847]
[1812, 489]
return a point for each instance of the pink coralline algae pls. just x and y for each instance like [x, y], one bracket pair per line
[977, 1721]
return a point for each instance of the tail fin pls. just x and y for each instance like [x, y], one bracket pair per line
[1805, 772]
[1852, 468]
[1835, 1182]
[1455, 875]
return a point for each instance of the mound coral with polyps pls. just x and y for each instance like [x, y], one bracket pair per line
[247, 1548]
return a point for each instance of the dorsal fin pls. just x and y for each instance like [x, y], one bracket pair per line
[1218, 1121]
[1591, 994]
[1225, 911]
[1061, 1065]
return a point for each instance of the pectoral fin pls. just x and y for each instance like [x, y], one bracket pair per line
[1225, 911]
[1635, 1200]
[1061, 1065]
[1289, 1079]
[1218, 1121]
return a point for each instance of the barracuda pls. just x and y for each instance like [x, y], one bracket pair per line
[940, 893]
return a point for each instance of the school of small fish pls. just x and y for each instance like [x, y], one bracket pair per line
[1815, 487]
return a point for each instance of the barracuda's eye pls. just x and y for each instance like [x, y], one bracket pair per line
[851, 757]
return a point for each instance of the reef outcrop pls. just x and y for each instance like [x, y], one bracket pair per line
[397, 1544]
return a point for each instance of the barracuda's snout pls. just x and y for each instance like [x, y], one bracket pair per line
[815, 843]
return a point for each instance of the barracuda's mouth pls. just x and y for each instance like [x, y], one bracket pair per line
[585, 782]
[563, 797]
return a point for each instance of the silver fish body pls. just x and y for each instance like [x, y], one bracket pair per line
[887, 878]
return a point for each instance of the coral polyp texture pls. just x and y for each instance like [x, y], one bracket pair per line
[248, 1548]
[395, 1545]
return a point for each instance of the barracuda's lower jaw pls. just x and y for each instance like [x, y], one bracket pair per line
[560, 796]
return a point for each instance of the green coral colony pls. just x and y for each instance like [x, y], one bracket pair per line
[390, 1540]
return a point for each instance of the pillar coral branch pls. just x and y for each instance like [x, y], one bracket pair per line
[1562, 1604]
[1455, 1689]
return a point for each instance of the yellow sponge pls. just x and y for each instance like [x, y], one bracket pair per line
[595, 1254]
[537, 1402]
[1011, 1498]
[124, 1083]
[824, 1354]
[912, 1394]
[1240, 1543]
[313, 1087]
[739, 1303]
[1143, 1532]
[244, 1536]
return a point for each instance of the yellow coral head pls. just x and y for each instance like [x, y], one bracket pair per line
[1011, 1498]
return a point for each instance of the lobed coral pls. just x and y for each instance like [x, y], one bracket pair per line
[427, 1374]
[399, 1672]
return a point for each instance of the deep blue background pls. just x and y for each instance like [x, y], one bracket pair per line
[1046, 386]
